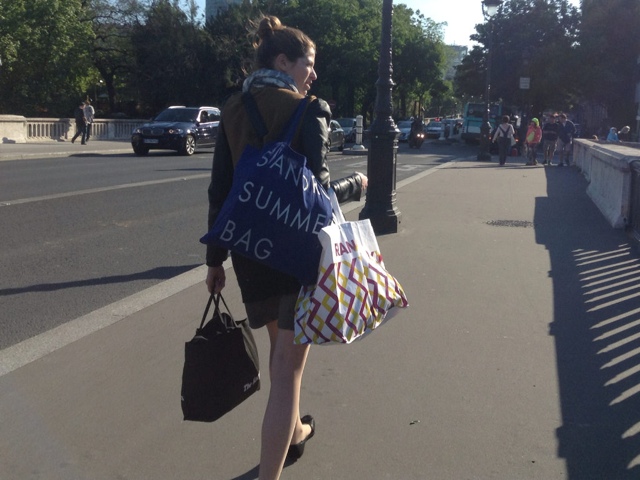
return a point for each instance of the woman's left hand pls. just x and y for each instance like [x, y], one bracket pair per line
[216, 279]
[364, 181]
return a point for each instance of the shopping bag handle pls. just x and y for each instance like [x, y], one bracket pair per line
[338, 216]
[215, 298]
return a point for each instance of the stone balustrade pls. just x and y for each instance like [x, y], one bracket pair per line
[608, 168]
[18, 129]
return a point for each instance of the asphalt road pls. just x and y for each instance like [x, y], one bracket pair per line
[79, 233]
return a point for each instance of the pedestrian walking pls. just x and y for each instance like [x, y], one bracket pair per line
[550, 138]
[89, 114]
[505, 137]
[565, 139]
[532, 140]
[284, 63]
[81, 124]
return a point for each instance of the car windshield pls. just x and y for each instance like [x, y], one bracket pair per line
[178, 115]
[347, 122]
[404, 124]
[435, 125]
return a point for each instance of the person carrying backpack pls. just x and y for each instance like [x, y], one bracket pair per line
[504, 136]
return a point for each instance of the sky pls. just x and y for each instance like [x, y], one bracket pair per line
[461, 16]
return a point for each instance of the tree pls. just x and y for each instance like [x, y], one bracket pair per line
[531, 38]
[609, 49]
[112, 50]
[46, 48]
[167, 52]
[347, 35]
[229, 50]
[418, 60]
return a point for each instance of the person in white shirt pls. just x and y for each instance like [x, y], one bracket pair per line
[504, 136]
[89, 114]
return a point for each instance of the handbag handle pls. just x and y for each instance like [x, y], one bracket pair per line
[215, 298]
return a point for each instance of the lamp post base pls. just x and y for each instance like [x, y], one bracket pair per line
[380, 205]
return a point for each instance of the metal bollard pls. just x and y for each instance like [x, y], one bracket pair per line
[359, 133]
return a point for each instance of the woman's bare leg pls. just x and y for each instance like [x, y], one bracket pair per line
[282, 417]
[300, 431]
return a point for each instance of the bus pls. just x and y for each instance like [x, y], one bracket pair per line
[472, 120]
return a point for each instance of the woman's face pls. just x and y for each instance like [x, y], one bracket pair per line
[301, 70]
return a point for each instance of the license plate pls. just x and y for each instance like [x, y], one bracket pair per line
[150, 140]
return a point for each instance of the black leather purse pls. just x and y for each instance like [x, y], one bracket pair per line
[221, 368]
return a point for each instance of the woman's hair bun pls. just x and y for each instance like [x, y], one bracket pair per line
[268, 25]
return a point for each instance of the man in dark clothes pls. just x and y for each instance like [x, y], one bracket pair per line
[81, 124]
[550, 138]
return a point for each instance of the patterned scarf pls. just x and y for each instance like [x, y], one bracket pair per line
[269, 78]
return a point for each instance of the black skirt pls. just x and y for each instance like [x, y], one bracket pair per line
[258, 282]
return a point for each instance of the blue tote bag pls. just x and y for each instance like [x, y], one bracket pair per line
[276, 207]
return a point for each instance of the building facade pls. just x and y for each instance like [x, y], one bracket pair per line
[212, 7]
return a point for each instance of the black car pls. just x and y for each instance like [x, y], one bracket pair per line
[182, 129]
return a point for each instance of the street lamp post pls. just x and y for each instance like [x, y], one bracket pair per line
[489, 9]
[380, 206]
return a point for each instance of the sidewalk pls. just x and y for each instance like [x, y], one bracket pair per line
[24, 151]
[517, 359]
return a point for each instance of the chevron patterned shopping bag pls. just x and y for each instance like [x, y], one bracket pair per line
[354, 292]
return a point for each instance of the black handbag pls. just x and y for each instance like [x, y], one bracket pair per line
[221, 367]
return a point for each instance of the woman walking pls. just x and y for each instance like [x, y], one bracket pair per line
[284, 73]
[534, 135]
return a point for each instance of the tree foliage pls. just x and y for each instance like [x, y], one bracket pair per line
[45, 55]
[347, 36]
[112, 50]
[168, 60]
[147, 54]
[530, 38]
[609, 48]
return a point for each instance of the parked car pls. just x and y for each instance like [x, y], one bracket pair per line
[336, 135]
[349, 127]
[434, 129]
[405, 129]
[179, 128]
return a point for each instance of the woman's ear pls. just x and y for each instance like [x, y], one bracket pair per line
[281, 63]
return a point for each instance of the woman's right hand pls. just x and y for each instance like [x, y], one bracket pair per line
[216, 279]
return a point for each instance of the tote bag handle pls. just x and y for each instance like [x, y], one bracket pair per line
[258, 123]
[216, 299]
[338, 216]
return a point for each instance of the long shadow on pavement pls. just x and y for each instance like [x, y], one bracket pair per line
[596, 325]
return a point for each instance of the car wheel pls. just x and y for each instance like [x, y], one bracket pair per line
[189, 145]
[140, 150]
[341, 147]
